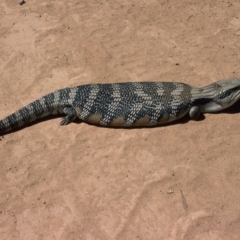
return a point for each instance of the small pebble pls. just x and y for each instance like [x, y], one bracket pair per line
[170, 191]
[21, 2]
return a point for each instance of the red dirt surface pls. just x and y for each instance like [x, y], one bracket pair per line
[87, 182]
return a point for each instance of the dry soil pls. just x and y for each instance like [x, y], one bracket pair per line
[180, 181]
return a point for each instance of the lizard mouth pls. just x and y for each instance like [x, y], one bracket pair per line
[236, 88]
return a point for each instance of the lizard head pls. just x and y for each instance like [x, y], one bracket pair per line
[229, 84]
[227, 92]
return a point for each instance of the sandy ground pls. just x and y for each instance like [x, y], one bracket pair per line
[87, 182]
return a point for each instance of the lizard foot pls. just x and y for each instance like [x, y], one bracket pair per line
[71, 115]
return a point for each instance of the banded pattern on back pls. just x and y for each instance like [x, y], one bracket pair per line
[127, 104]
[124, 104]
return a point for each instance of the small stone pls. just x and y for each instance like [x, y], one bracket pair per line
[170, 191]
[21, 2]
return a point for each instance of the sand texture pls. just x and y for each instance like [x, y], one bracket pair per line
[180, 181]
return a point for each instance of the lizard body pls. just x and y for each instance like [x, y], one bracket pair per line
[127, 104]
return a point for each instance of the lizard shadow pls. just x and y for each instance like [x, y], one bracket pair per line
[231, 110]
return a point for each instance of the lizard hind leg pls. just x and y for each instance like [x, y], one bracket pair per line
[194, 112]
[71, 115]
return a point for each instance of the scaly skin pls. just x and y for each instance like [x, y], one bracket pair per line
[127, 104]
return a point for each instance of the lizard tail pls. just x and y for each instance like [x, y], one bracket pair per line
[38, 109]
